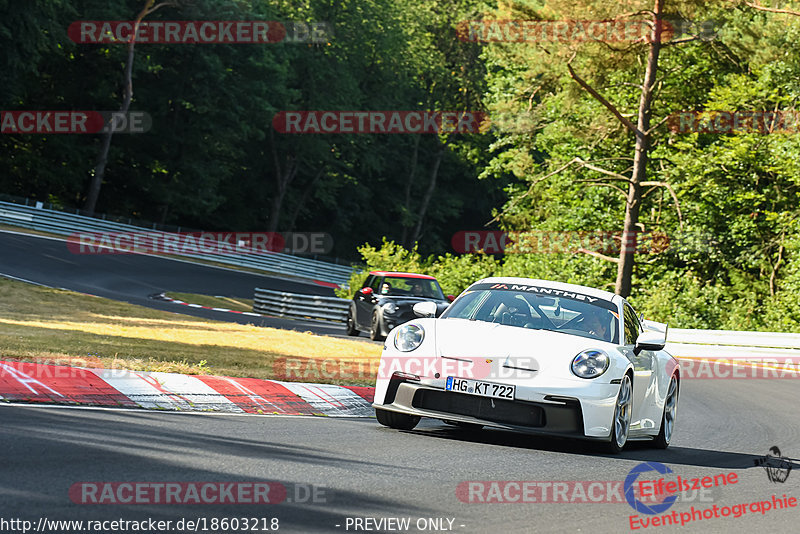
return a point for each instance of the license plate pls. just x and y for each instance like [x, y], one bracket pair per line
[482, 389]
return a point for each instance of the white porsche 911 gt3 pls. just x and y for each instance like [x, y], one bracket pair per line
[533, 356]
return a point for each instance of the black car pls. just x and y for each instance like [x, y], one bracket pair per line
[386, 301]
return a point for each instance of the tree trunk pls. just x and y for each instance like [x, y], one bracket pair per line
[409, 185]
[102, 159]
[283, 177]
[275, 212]
[634, 199]
[296, 211]
[426, 200]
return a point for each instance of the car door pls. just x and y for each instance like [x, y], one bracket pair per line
[644, 387]
[364, 302]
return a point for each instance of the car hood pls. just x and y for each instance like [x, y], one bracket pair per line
[526, 348]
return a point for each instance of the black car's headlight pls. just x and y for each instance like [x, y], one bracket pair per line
[590, 363]
[409, 337]
[390, 307]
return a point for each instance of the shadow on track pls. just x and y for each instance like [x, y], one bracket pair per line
[635, 450]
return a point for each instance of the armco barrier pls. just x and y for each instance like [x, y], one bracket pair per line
[63, 223]
[300, 306]
[729, 344]
[681, 343]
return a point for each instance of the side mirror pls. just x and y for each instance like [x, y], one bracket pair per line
[425, 309]
[367, 291]
[655, 327]
[451, 298]
[649, 340]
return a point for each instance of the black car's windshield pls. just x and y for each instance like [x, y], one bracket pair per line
[538, 308]
[411, 287]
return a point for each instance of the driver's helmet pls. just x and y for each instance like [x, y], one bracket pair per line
[514, 311]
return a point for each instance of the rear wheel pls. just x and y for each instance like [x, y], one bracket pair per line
[621, 423]
[400, 421]
[351, 325]
[668, 418]
[375, 327]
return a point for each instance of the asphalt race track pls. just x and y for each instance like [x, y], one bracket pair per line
[135, 278]
[375, 472]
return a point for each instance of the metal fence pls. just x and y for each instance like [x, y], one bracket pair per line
[64, 223]
[682, 343]
[300, 306]
[729, 344]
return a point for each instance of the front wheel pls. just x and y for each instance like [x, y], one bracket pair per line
[375, 327]
[400, 421]
[668, 418]
[351, 329]
[621, 423]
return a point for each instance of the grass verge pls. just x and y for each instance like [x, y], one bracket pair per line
[54, 326]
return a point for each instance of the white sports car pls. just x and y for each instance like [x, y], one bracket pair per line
[533, 356]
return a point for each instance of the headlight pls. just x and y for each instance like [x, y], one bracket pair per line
[408, 337]
[390, 307]
[590, 363]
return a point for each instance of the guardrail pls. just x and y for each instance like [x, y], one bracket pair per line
[63, 223]
[300, 306]
[733, 345]
[681, 343]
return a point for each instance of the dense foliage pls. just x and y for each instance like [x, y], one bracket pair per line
[729, 202]
[212, 159]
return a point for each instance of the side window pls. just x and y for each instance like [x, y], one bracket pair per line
[632, 327]
[376, 283]
[368, 281]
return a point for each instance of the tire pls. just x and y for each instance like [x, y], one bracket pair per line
[621, 423]
[351, 325]
[375, 327]
[399, 421]
[465, 426]
[668, 417]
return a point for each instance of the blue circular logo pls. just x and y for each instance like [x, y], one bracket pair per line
[630, 481]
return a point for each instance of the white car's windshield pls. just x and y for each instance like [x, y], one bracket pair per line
[538, 308]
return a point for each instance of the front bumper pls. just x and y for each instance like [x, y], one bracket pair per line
[555, 413]
[393, 320]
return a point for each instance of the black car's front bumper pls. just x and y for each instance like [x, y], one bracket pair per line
[392, 320]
